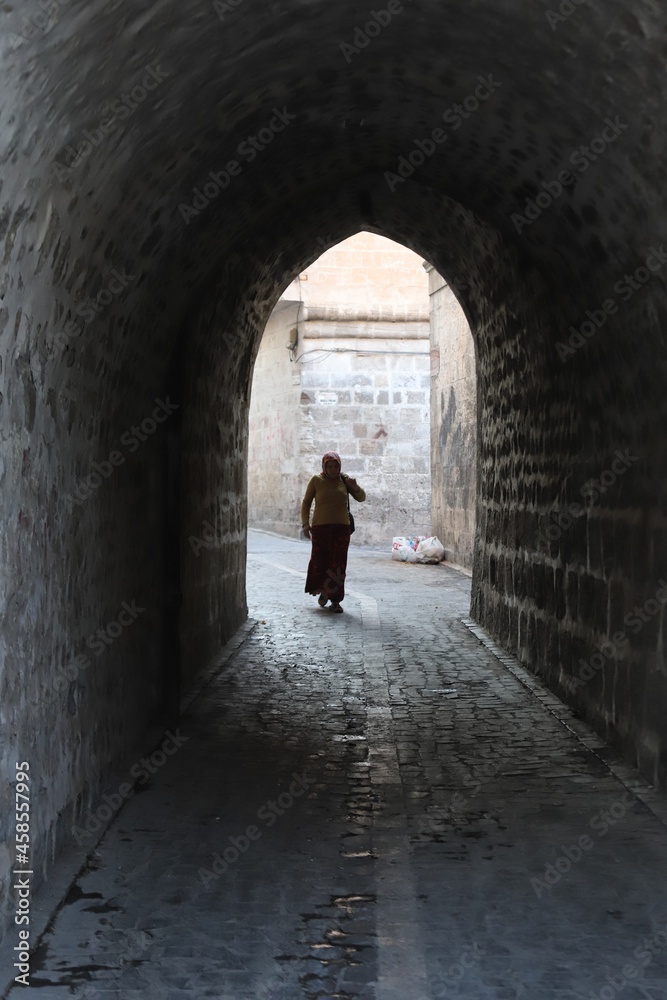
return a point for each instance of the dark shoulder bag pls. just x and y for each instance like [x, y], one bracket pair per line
[350, 514]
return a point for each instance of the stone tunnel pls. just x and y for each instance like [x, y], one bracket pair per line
[168, 168]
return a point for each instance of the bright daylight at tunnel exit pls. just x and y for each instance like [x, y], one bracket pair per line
[334, 476]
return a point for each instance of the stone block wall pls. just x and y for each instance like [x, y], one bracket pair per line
[363, 272]
[373, 409]
[275, 482]
[571, 547]
[82, 595]
[357, 383]
[569, 553]
[453, 424]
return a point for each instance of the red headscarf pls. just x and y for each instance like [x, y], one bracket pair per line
[331, 456]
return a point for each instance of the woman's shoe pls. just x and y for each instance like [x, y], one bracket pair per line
[335, 606]
[322, 601]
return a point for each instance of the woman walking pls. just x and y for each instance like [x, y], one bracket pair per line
[330, 530]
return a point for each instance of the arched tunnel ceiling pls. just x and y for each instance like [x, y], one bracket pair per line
[219, 72]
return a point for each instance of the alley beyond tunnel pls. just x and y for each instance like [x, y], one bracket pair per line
[371, 806]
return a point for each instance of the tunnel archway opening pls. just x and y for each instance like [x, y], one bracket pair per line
[344, 365]
[356, 354]
[534, 446]
[444, 246]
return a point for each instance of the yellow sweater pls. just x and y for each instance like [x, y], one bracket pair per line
[330, 498]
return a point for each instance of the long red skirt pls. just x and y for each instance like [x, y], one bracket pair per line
[328, 560]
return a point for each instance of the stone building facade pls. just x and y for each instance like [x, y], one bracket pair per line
[356, 381]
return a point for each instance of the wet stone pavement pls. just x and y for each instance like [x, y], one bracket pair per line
[369, 806]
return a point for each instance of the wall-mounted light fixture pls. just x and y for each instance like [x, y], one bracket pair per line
[293, 341]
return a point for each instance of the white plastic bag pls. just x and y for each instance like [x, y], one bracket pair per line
[430, 550]
[404, 548]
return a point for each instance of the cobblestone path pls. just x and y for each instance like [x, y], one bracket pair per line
[369, 806]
